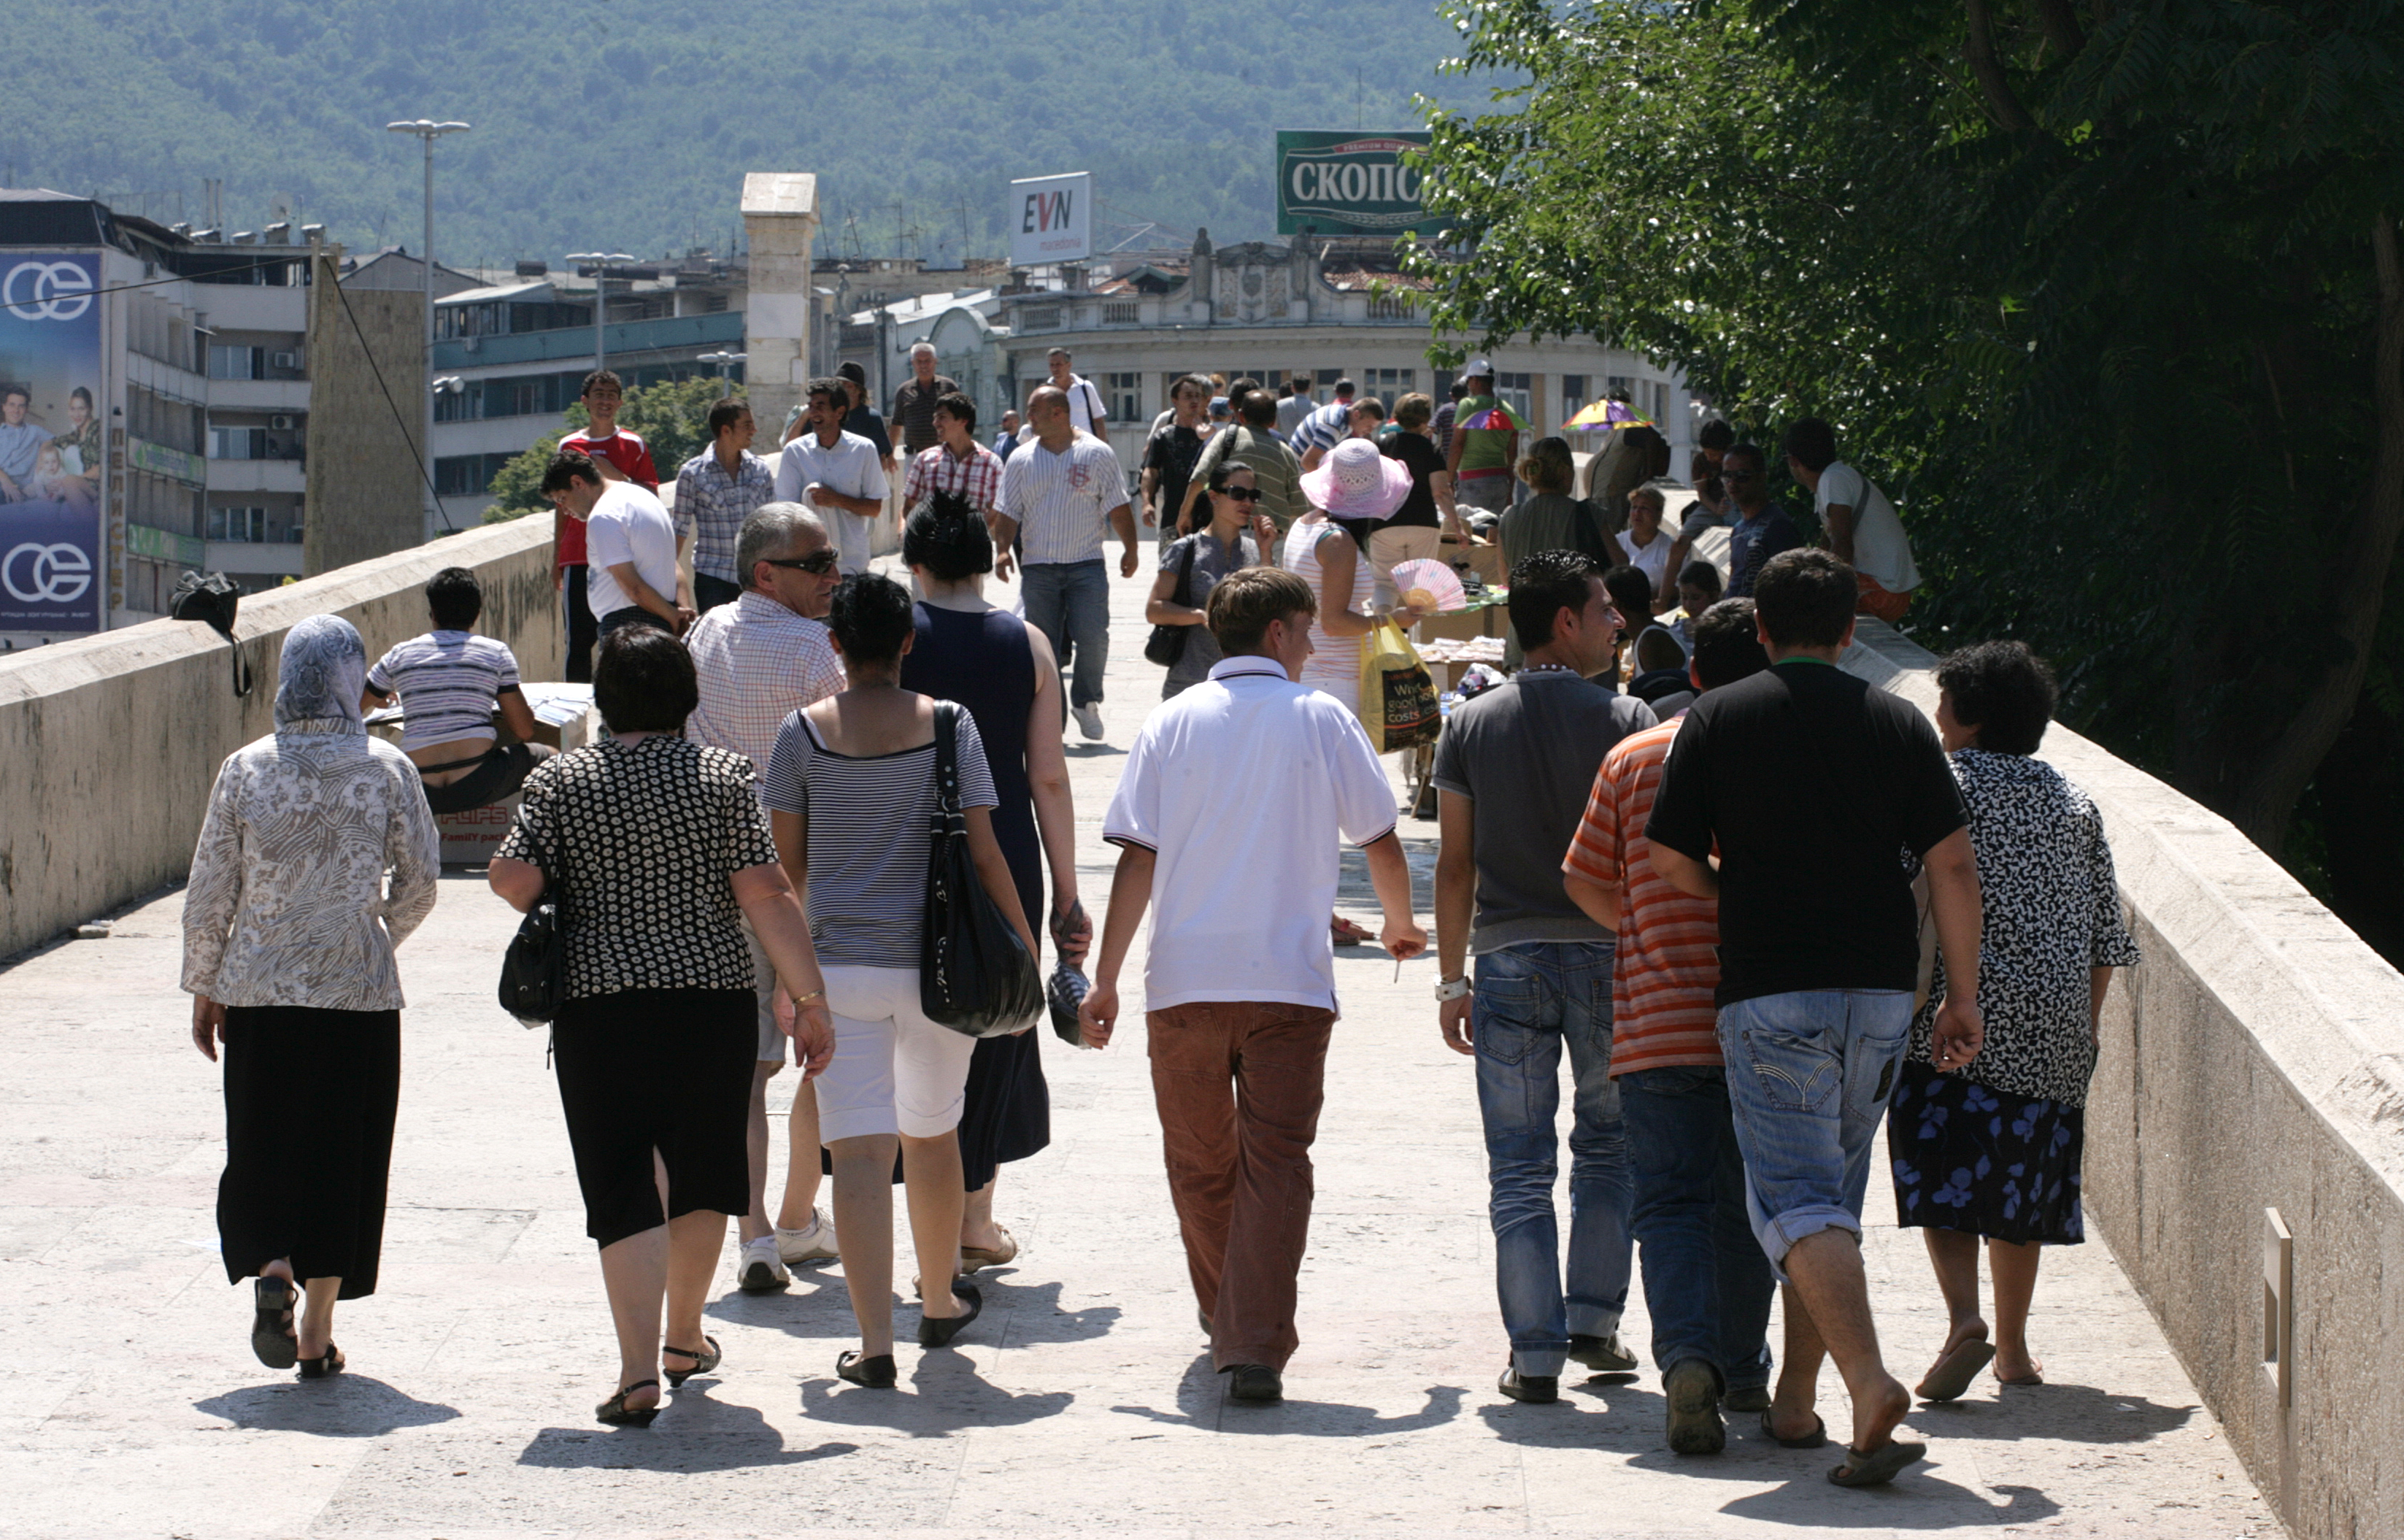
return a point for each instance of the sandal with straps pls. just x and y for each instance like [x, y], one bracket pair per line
[702, 1362]
[615, 1412]
[324, 1366]
[272, 1324]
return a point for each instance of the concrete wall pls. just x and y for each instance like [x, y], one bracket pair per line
[109, 743]
[365, 495]
[2254, 1061]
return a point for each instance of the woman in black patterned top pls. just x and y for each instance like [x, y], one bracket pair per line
[656, 843]
[1992, 1151]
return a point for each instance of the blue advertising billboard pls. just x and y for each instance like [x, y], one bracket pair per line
[52, 434]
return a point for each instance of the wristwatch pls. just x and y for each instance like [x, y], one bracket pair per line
[1451, 988]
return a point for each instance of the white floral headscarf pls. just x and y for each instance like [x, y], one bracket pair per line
[323, 672]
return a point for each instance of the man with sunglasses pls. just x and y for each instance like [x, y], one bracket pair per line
[756, 662]
[1762, 528]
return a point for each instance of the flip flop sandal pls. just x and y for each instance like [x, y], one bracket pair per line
[1348, 934]
[702, 1362]
[270, 1327]
[1954, 1371]
[1816, 1438]
[2024, 1379]
[1878, 1467]
[973, 1258]
[325, 1366]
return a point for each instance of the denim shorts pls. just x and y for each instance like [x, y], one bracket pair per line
[1809, 1075]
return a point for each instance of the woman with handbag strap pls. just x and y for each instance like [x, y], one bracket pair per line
[851, 793]
[1191, 565]
[653, 844]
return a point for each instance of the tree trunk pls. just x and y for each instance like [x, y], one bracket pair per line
[2060, 23]
[1978, 48]
[2263, 798]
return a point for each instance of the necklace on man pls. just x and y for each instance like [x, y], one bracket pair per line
[1547, 669]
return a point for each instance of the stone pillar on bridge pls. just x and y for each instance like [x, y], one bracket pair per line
[780, 221]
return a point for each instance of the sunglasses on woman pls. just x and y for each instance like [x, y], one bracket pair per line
[1241, 494]
[818, 562]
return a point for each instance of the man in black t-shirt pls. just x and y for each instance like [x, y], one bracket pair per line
[1170, 453]
[1812, 784]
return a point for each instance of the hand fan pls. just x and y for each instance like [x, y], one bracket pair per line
[1430, 585]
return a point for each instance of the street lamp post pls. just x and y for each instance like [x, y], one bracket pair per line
[724, 360]
[429, 131]
[600, 260]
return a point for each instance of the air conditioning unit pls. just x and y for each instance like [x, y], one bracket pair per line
[286, 360]
[284, 423]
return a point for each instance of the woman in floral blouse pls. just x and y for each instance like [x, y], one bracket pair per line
[317, 856]
[1992, 1151]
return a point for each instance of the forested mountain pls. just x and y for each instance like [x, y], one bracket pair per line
[631, 129]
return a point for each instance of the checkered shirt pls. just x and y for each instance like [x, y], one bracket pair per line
[711, 505]
[757, 663]
[977, 478]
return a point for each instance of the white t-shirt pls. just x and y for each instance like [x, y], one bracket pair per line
[1242, 887]
[1086, 406]
[1652, 560]
[1880, 550]
[850, 467]
[628, 524]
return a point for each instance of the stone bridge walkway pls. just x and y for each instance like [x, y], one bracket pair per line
[1082, 1403]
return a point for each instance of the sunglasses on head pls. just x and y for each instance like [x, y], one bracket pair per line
[1241, 494]
[819, 562]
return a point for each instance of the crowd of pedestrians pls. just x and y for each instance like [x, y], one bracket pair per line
[1760, 907]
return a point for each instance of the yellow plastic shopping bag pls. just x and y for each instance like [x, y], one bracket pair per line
[1398, 701]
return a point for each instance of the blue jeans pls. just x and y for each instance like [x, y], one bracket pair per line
[1809, 1075]
[1531, 1000]
[1069, 602]
[1705, 1281]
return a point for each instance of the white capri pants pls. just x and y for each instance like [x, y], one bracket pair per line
[894, 1071]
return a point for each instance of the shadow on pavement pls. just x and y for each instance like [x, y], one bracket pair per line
[945, 1397]
[1202, 1402]
[693, 1434]
[1915, 1501]
[2080, 1414]
[1035, 1315]
[349, 1406]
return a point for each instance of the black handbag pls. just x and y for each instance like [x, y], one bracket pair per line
[211, 598]
[534, 971]
[974, 974]
[1165, 646]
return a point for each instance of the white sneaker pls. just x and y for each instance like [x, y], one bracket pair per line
[760, 1271]
[811, 1244]
[1089, 722]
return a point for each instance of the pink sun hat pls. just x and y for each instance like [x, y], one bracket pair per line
[1356, 480]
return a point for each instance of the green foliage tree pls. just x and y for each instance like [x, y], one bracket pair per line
[670, 417]
[2107, 295]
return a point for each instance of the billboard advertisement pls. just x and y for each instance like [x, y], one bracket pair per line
[1348, 184]
[51, 433]
[1051, 220]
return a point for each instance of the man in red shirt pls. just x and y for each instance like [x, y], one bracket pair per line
[1705, 1281]
[620, 456]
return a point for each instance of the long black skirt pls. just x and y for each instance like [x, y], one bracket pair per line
[310, 1097]
[1970, 1158]
[664, 1070]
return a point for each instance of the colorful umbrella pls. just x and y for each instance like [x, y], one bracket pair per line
[1603, 416]
[1495, 417]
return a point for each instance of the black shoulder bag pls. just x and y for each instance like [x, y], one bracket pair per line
[212, 598]
[534, 971]
[1165, 646]
[974, 974]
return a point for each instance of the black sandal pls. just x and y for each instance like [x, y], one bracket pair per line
[324, 1366]
[938, 1331]
[702, 1362]
[271, 1327]
[615, 1412]
[877, 1374]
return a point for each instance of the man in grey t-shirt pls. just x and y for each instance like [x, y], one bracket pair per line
[1513, 770]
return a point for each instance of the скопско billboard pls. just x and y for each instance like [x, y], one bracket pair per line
[1349, 184]
[51, 437]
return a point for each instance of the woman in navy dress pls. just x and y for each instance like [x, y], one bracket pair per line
[1003, 670]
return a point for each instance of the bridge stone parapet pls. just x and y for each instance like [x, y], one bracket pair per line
[2245, 1137]
[109, 743]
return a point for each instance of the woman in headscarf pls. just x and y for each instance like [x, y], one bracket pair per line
[317, 856]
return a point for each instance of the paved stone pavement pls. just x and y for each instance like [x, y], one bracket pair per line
[1083, 1401]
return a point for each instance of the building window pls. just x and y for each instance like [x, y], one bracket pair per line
[1514, 390]
[1660, 403]
[1573, 394]
[1620, 384]
[1394, 307]
[248, 525]
[1391, 384]
[237, 443]
[235, 363]
[1120, 313]
[1123, 394]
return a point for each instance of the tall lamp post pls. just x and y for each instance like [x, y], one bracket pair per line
[600, 260]
[429, 131]
[724, 360]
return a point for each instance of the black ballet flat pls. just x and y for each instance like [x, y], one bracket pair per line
[877, 1374]
[615, 1412]
[326, 1365]
[274, 1302]
[938, 1331]
[702, 1362]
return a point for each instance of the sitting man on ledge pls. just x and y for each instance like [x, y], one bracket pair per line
[448, 682]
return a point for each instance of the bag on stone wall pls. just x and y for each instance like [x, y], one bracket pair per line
[211, 597]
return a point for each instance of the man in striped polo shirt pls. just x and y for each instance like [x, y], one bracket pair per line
[1705, 1281]
[1060, 492]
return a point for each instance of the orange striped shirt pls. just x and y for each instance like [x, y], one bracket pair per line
[1669, 960]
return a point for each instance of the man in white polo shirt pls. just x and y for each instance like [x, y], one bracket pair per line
[631, 546]
[1060, 492]
[1239, 984]
[834, 473]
